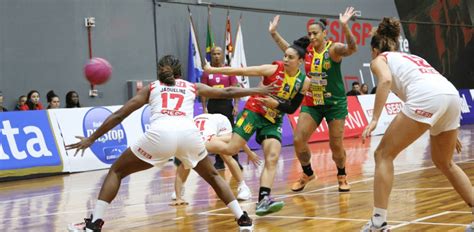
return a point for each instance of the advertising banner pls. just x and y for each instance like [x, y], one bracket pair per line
[83, 122]
[392, 107]
[27, 144]
[353, 127]
[467, 103]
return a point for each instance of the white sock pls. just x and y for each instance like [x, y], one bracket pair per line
[242, 183]
[235, 208]
[99, 210]
[379, 216]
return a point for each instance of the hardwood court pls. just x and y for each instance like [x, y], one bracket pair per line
[422, 199]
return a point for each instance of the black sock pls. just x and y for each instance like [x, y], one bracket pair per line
[264, 191]
[341, 171]
[307, 170]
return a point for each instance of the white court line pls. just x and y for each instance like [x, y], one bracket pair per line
[466, 212]
[255, 217]
[419, 219]
[369, 191]
[331, 187]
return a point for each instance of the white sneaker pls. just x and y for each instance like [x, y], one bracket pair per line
[370, 227]
[243, 192]
[76, 227]
[470, 228]
[173, 195]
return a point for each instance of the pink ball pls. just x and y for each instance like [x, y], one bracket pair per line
[97, 71]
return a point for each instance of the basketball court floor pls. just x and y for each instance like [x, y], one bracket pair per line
[421, 200]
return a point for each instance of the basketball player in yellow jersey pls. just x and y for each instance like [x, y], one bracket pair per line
[326, 98]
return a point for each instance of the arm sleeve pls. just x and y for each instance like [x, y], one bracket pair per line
[290, 106]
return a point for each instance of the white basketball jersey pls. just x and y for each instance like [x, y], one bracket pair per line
[413, 77]
[171, 101]
[212, 125]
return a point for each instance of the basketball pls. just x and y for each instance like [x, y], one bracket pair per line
[97, 71]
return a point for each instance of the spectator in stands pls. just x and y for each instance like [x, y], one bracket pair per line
[53, 100]
[21, 102]
[72, 99]
[355, 89]
[2, 109]
[364, 89]
[374, 90]
[33, 101]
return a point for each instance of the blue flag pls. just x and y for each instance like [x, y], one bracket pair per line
[194, 58]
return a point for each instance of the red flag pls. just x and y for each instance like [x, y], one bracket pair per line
[229, 48]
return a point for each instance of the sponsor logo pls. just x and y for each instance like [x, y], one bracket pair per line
[423, 113]
[248, 128]
[108, 147]
[393, 108]
[27, 141]
[173, 112]
[465, 107]
[144, 153]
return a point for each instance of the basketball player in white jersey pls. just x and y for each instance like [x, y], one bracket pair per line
[431, 103]
[215, 126]
[172, 133]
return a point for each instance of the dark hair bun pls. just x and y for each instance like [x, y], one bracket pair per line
[302, 42]
[324, 21]
[389, 27]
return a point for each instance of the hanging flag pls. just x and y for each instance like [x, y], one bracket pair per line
[238, 60]
[194, 57]
[229, 48]
[209, 37]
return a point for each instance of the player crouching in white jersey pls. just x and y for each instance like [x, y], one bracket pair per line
[431, 103]
[172, 133]
[214, 126]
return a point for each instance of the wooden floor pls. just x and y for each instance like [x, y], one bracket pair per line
[422, 199]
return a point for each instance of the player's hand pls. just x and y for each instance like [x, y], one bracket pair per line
[254, 158]
[344, 18]
[458, 146]
[83, 144]
[272, 27]
[268, 102]
[207, 68]
[268, 89]
[368, 129]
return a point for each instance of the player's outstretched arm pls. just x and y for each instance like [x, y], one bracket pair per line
[113, 120]
[232, 92]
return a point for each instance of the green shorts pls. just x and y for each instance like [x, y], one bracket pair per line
[330, 112]
[248, 122]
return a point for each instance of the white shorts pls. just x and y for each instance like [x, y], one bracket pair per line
[180, 139]
[441, 112]
[213, 125]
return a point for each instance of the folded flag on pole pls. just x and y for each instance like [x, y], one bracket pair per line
[238, 60]
[194, 57]
[229, 47]
[209, 38]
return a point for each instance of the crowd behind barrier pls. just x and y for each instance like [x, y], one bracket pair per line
[33, 142]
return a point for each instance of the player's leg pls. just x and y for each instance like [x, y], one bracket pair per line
[207, 171]
[402, 132]
[308, 121]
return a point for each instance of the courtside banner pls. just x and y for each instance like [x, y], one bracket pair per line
[467, 106]
[69, 123]
[392, 107]
[354, 125]
[27, 144]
